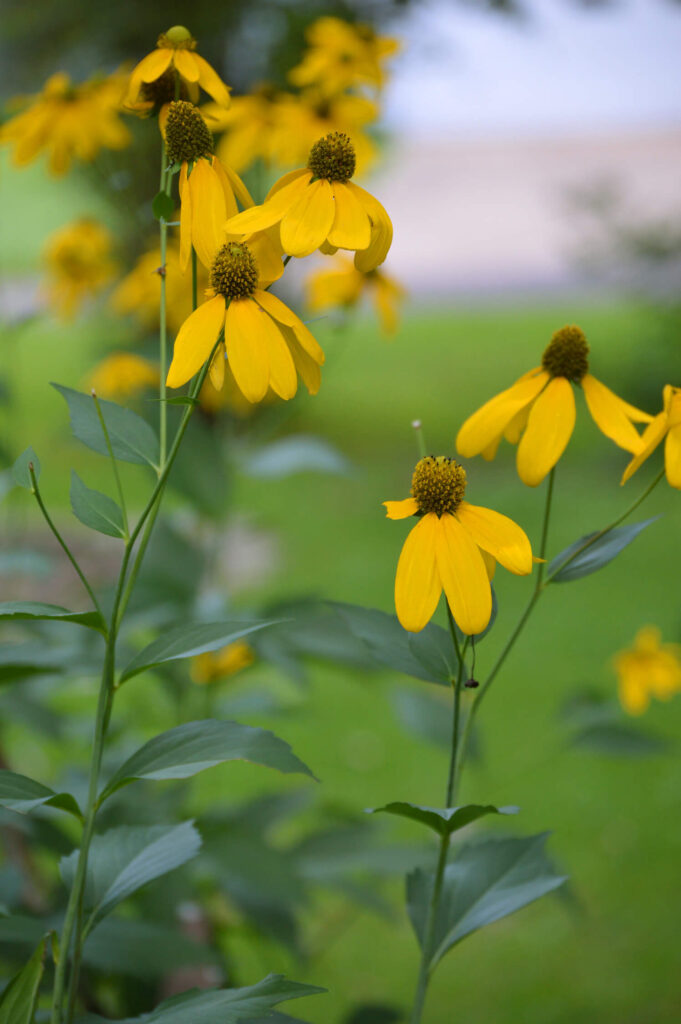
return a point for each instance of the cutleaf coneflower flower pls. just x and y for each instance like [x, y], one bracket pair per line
[175, 52]
[667, 424]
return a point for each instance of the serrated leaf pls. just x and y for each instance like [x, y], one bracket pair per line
[20, 470]
[19, 999]
[444, 821]
[132, 439]
[36, 610]
[600, 553]
[188, 641]
[484, 883]
[124, 859]
[162, 206]
[195, 746]
[22, 794]
[96, 510]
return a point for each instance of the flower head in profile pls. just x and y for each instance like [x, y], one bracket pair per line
[342, 55]
[213, 665]
[208, 191]
[666, 425]
[345, 286]
[454, 547]
[123, 375]
[138, 293]
[319, 207]
[538, 412]
[69, 122]
[78, 263]
[153, 81]
[266, 344]
[648, 669]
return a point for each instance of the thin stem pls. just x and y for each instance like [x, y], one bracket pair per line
[119, 487]
[428, 933]
[420, 438]
[60, 539]
[162, 336]
[456, 710]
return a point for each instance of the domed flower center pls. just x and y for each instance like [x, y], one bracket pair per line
[438, 484]
[187, 135]
[234, 273]
[176, 38]
[333, 157]
[567, 354]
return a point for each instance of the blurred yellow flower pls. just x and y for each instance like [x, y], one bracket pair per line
[214, 665]
[318, 207]
[139, 293]
[454, 547]
[78, 265]
[666, 424]
[345, 287]
[648, 669]
[538, 412]
[68, 121]
[175, 52]
[122, 375]
[341, 55]
[251, 126]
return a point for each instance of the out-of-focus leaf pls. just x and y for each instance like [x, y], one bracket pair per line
[485, 882]
[21, 794]
[301, 454]
[19, 999]
[169, 579]
[194, 746]
[132, 439]
[201, 471]
[143, 950]
[162, 206]
[96, 510]
[444, 821]
[20, 470]
[597, 555]
[17, 661]
[24, 562]
[619, 739]
[37, 610]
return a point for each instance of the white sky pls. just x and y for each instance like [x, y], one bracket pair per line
[561, 70]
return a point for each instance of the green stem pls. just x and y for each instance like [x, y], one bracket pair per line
[119, 486]
[62, 542]
[162, 337]
[420, 438]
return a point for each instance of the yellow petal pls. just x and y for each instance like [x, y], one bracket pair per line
[211, 82]
[195, 341]
[672, 457]
[283, 376]
[490, 563]
[217, 368]
[153, 65]
[268, 256]
[236, 184]
[185, 63]
[401, 509]
[489, 422]
[302, 173]
[308, 221]
[514, 429]
[498, 535]
[247, 353]
[208, 211]
[417, 581]
[610, 414]
[351, 228]
[306, 366]
[650, 439]
[633, 694]
[231, 208]
[281, 312]
[185, 219]
[381, 231]
[549, 428]
[463, 575]
[258, 218]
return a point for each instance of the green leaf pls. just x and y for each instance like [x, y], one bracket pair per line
[195, 746]
[132, 439]
[595, 557]
[19, 999]
[299, 454]
[620, 739]
[35, 610]
[20, 470]
[17, 661]
[484, 883]
[162, 206]
[124, 859]
[21, 794]
[187, 641]
[96, 510]
[143, 950]
[444, 821]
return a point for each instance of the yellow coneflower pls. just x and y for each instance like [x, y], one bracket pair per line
[69, 122]
[251, 125]
[138, 294]
[341, 55]
[453, 547]
[175, 52]
[122, 375]
[78, 262]
[345, 287]
[208, 191]
[318, 207]
[538, 412]
[649, 668]
[213, 665]
[666, 424]
[311, 114]
[265, 342]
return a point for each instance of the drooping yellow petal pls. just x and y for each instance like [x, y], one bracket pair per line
[672, 457]
[185, 62]
[281, 312]
[464, 576]
[185, 219]
[306, 366]
[498, 535]
[237, 186]
[633, 694]
[650, 439]
[152, 66]
[283, 376]
[208, 211]
[489, 422]
[489, 453]
[610, 414]
[195, 341]
[549, 428]
[247, 352]
[514, 429]
[381, 231]
[307, 223]
[231, 208]
[217, 368]
[417, 581]
[351, 228]
[401, 509]
[267, 250]
[211, 82]
[303, 173]
[258, 218]
[490, 563]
